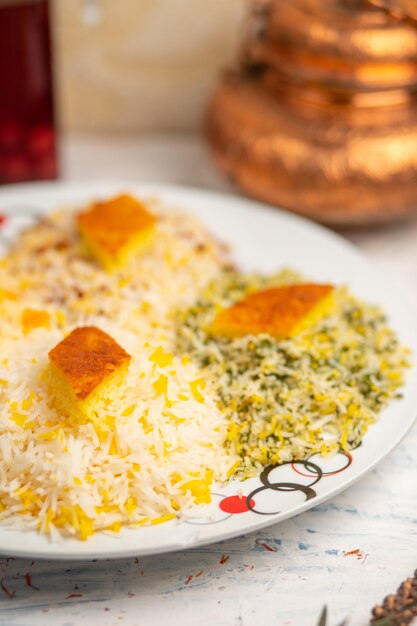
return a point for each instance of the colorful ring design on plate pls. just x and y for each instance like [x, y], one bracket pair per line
[312, 470]
[324, 474]
[284, 486]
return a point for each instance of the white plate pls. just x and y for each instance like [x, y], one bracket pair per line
[263, 239]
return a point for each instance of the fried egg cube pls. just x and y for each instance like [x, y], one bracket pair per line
[86, 370]
[116, 230]
[279, 311]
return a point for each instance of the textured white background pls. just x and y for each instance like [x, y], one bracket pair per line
[280, 576]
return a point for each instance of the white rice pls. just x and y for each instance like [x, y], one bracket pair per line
[154, 455]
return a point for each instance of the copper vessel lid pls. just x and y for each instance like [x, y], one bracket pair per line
[351, 44]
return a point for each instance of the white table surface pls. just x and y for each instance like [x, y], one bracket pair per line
[280, 576]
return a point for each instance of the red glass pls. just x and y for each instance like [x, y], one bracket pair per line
[27, 129]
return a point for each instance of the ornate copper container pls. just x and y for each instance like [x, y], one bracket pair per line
[320, 117]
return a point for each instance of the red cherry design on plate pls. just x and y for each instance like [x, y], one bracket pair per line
[3, 220]
[235, 504]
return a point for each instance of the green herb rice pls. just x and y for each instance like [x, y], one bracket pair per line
[316, 392]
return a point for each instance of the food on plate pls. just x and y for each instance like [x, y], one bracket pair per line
[316, 390]
[281, 312]
[169, 371]
[116, 230]
[85, 369]
[51, 265]
[154, 448]
[33, 318]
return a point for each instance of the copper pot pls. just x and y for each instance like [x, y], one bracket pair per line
[321, 115]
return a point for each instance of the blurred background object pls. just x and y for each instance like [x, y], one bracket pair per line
[402, 9]
[27, 132]
[118, 68]
[320, 116]
[141, 65]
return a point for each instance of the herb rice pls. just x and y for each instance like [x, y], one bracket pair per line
[316, 392]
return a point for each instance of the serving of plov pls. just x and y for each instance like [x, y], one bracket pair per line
[139, 369]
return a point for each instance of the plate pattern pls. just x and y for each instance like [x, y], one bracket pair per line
[269, 480]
